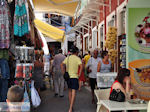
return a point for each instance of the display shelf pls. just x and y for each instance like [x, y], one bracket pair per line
[121, 51]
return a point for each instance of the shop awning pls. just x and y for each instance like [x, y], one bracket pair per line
[49, 30]
[67, 7]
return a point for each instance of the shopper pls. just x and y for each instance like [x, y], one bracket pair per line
[87, 57]
[72, 62]
[38, 73]
[122, 81]
[82, 77]
[15, 96]
[58, 76]
[92, 70]
[104, 65]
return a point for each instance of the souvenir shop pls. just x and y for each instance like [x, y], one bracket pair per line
[18, 41]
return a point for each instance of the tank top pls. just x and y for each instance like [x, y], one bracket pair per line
[112, 85]
[105, 68]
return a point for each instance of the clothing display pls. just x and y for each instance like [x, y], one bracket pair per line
[4, 54]
[24, 53]
[21, 26]
[4, 25]
[3, 89]
[4, 69]
[24, 70]
[14, 23]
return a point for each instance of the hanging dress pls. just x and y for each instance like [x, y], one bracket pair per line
[4, 25]
[21, 18]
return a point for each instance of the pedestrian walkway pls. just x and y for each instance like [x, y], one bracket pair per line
[53, 104]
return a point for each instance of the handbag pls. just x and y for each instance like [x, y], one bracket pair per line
[117, 95]
[66, 75]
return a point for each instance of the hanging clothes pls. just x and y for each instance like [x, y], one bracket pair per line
[4, 25]
[21, 26]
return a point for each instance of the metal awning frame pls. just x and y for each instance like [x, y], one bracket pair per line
[88, 14]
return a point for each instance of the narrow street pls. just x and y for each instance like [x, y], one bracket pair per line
[57, 104]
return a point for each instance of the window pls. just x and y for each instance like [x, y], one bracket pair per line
[111, 22]
[101, 36]
[122, 14]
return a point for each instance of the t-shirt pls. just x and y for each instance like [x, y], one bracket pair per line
[92, 64]
[86, 58]
[72, 63]
[58, 59]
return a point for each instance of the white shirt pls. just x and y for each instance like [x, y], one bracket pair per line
[92, 64]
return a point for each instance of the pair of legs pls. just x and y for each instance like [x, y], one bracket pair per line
[72, 94]
[73, 85]
[93, 84]
[59, 83]
[80, 84]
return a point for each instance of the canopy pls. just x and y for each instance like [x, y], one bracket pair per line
[49, 30]
[67, 7]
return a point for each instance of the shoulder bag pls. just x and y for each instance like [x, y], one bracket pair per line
[117, 95]
[66, 75]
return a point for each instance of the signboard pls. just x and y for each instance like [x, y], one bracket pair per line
[138, 46]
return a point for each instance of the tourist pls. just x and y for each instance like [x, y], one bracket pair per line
[72, 62]
[57, 75]
[92, 70]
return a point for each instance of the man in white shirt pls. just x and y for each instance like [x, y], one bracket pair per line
[92, 70]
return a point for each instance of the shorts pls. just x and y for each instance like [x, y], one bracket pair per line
[93, 83]
[73, 83]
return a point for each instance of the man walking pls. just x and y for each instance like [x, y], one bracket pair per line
[92, 70]
[72, 62]
[58, 76]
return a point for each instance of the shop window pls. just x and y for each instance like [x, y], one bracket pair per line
[86, 43]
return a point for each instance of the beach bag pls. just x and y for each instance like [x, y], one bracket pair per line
[117, 95]
[35, 98]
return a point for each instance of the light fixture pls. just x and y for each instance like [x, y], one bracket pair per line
[114, 16]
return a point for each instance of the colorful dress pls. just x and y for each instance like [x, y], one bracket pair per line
[4, 25]
[21, 26]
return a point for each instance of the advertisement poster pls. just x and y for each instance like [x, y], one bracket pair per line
[139, 50]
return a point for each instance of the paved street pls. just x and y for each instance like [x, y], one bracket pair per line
[52, 104]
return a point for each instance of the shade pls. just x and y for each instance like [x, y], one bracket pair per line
[50, 31]
[67, 7]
